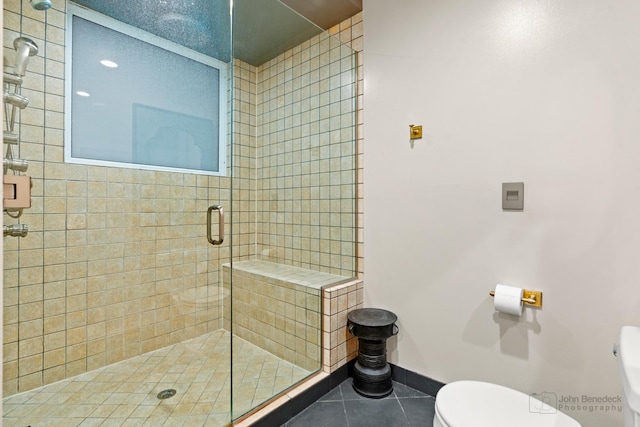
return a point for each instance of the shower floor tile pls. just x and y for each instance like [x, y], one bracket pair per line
[125, 393]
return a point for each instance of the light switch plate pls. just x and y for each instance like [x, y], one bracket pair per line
[513, 196]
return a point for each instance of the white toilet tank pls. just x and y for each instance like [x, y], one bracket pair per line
[629, 365]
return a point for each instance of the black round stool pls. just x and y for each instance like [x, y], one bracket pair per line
[372, 373]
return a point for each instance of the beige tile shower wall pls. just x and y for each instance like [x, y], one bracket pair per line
[338, 344]
[350, 32]
[115, 263]
[244, 160]
[277, 314]
[306, 159]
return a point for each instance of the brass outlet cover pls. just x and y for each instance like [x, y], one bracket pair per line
[415, 132]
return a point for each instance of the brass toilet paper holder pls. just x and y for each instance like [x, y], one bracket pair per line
[530, 298]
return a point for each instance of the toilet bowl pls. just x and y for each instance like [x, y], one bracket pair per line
[628, 352]
[480, 404]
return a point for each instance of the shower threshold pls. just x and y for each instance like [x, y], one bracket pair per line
[126, 393]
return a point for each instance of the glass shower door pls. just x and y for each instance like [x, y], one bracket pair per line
[293, 195]
[114, 300]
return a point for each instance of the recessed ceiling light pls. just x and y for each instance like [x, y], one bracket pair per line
[82, 93]
[109, 64]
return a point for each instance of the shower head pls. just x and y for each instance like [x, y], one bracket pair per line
[40, 4]
[25, 48]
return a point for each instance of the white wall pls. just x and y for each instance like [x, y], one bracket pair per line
[541, 91]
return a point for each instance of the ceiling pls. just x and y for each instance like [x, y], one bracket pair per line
[262, 29]
[325, 13]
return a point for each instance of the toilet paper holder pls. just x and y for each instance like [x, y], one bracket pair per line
[530, 298]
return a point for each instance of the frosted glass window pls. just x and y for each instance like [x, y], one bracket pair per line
[136, 100]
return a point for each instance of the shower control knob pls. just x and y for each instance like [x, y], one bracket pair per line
[17, 165]
[16, 100]
[16, 230]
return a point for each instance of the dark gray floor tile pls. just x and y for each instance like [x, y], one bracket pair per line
[333, 395]
[344, 407]
[401, 390]
[348, 392]
[423, 384]
[374, 413]
[320, 414]
[419, 410]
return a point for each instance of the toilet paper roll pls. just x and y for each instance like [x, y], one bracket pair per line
[508, 299]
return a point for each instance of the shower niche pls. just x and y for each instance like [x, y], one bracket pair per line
[116, 287]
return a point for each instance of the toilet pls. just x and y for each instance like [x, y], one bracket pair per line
[628, 353]
[481, 404]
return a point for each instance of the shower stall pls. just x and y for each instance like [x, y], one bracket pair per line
[193, 169]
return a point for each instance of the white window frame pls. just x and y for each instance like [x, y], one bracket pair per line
[131, 31]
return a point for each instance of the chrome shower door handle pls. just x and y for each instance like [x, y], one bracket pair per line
[220, 224]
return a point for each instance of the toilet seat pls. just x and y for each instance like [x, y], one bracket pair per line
[480, 404]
